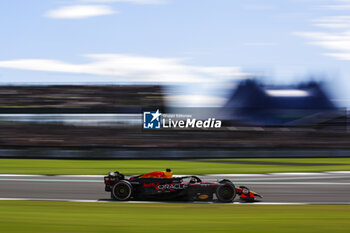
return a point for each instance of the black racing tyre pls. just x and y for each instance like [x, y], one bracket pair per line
[122, 191]
[226, 192]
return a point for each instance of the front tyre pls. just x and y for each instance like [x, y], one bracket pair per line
[122, 191]
[226, 192]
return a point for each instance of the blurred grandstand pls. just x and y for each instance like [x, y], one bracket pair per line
[305, 105]
[79, 98]
[109, 117]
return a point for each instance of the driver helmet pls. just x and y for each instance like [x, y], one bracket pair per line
[168, 173]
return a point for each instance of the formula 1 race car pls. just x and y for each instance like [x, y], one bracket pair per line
[163, 186]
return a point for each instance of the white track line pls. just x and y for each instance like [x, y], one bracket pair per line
[20, 175]
[143, 202]
[339, 172]
[297, 173]
[236, 175]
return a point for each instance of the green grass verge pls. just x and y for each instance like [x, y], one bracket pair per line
[51, 166]
[52, 217]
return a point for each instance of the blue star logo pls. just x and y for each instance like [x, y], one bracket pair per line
[151, 120]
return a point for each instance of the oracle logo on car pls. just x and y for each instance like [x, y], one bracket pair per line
[171, 187]
[163, 187]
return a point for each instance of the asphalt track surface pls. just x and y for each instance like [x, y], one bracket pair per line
[310, 188]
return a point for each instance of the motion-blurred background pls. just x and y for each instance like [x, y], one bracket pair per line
[75, 77]
[105, 121]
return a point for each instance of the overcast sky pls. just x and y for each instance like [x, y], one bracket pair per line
[176, 41]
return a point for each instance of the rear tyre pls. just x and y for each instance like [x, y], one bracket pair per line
[226, 192]
[122, 191]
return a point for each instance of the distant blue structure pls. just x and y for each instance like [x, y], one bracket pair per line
[256, 104]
